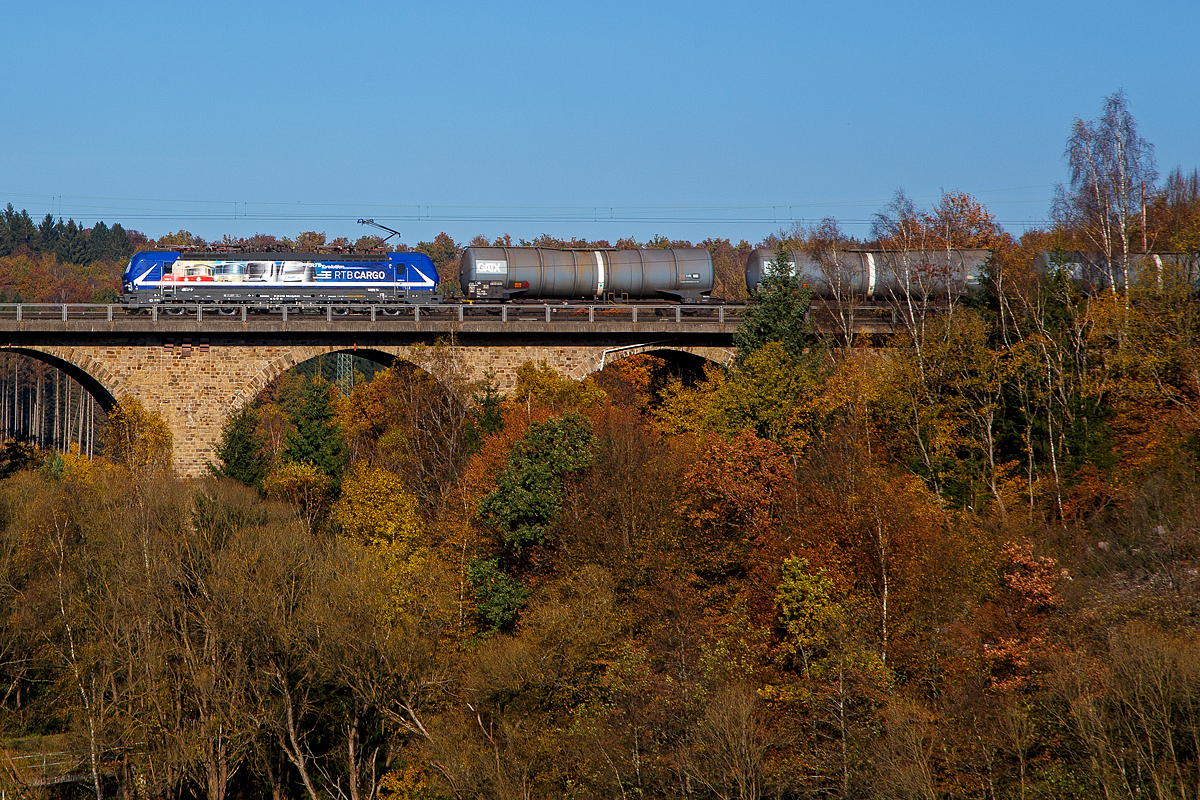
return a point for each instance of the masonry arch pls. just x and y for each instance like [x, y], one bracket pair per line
[93, 377]
[684, 356]
[418, 357]
[294, 357]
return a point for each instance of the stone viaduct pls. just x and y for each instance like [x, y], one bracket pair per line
[196, 370]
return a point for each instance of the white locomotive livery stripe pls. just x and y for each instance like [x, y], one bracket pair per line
[426, 281]
[599, 273]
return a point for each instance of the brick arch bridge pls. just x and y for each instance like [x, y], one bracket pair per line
[194, 381]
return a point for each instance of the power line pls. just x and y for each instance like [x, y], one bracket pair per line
[142, 209]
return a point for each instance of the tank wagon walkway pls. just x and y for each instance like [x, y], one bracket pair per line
[198, 367]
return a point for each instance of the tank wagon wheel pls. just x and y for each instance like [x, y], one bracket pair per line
[174, 312]
[226, 312]
[341, 311]
[391, 312]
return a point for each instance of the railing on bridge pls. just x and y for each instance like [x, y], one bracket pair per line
[24, 766]
[447, 313]
[47, 769]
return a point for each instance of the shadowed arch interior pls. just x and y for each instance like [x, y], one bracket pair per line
[686, 364]
[681, 360]
[382, 358]
[378, 356]
[90, 384]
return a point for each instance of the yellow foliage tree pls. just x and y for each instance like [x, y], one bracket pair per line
[303, 485]
[405, 783]
[771, 395]
[138, 439]
[375, 509]
[542, 384]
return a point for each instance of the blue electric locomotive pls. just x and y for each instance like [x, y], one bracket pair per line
[159, 277]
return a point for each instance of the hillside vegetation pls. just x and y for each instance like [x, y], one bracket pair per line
[961, 565]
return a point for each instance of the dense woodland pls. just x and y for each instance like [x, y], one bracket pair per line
[963, 564]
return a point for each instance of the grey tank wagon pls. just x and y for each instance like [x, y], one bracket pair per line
[542, 273]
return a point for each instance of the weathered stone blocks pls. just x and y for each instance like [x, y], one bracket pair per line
[195, 389]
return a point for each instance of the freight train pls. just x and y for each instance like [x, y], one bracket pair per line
[540, 274]
[496, 274]
[517, 274]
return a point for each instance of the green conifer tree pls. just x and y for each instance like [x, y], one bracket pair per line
[317, 438]
[778, 312]
[240, 451]
[498, 597]
[529, 492]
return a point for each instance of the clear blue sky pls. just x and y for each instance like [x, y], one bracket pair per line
[526, 118]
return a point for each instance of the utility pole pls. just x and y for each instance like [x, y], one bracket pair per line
[344, 377]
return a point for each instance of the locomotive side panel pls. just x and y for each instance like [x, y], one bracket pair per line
[173, 277]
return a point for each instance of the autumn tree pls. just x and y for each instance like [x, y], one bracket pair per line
[740, 494]
[415, 419]
[304, 486]
[443, 251]
[918, 255]
[827, 245]
[958, 220]
[540, 383]
[138, 439]
[181, 238]
[1174, 214]
[1110, 165]
[729, 267]
[772, 393]
[369, 242]
[375, 509]
[808, 610]
[308, 241]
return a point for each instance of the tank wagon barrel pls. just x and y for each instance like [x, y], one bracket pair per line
[1096, 271]
[877, 274]
[541, 273]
